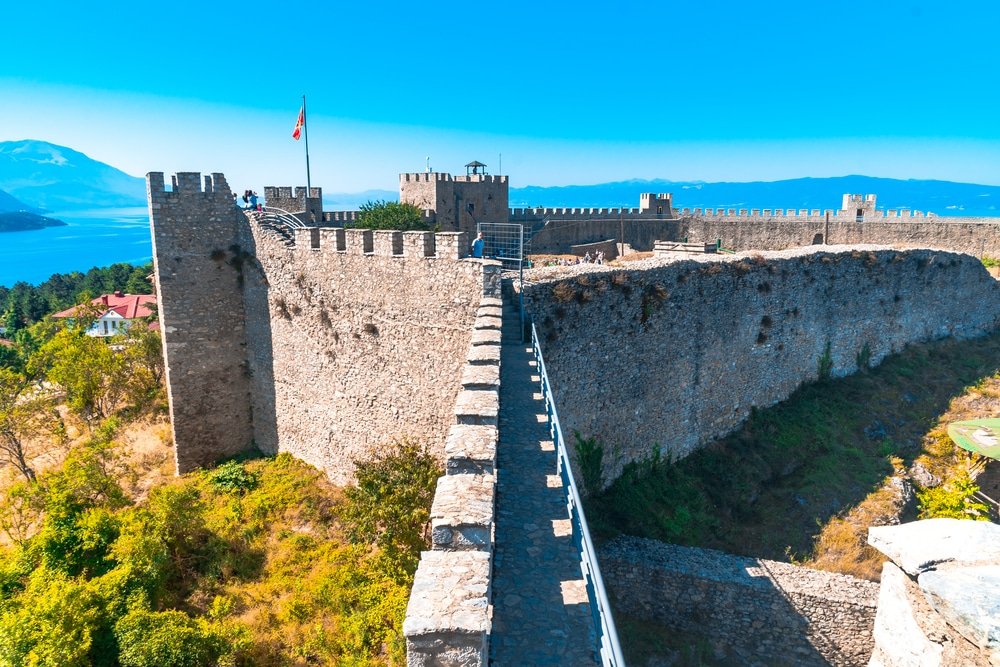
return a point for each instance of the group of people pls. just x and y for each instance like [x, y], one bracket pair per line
[596, 258]
[250, 202]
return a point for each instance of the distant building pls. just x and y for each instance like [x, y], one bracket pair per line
[117, 313]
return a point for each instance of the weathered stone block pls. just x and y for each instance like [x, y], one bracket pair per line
[489, 322]
[477, 407]
[462, 513]
[470, 449]
[483, 354]
[490, 311]
[486, 337]
[448, 617]
[482, 376]
[920, 545]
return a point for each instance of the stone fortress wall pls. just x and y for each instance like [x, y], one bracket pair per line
[753, 611]
[325, 342]
[326, 346]
[459, 202]
[671, 354]
[196, 241]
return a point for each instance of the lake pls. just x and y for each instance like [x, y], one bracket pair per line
[97, 237]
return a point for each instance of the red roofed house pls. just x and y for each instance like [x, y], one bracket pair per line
[117, 312]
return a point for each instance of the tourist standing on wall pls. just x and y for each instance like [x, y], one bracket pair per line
[478, 245]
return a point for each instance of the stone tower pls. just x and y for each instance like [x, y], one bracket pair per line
[199, 290]
[459, 203]
[860, 207]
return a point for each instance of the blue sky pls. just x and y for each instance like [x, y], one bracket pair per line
[568, 92]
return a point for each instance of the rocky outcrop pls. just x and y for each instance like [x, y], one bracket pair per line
[940, 599]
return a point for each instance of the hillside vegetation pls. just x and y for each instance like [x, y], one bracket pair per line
[105, 561]
[803, 480]
[258, 562]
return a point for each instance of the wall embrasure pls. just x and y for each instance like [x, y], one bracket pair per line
[671, 354]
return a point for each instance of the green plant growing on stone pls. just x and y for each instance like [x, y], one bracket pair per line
[590, 458]
[825, 363]
[864, 357]
[990, 262]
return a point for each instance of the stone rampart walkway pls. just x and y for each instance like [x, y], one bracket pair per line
[541, 615]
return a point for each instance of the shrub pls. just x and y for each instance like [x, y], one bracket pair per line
[390, 504]
[825, 363]
[393, 215]
[233, 477]
[167, 639]
[952, 500]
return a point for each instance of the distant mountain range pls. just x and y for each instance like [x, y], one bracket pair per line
[37, 175]
[940, 197]
[55, 178]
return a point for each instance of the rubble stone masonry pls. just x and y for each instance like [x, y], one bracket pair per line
[671, 354]
[326, 346]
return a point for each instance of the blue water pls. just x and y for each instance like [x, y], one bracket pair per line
[90, 238]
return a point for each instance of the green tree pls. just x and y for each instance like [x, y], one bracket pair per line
[391, 215]
[27, 420]
[390, 505]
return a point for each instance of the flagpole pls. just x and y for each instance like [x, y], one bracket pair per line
[305, 128]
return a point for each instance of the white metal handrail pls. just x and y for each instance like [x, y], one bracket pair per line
[600, 607]
[273, 214]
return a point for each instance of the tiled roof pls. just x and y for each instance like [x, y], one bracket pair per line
[128, 306]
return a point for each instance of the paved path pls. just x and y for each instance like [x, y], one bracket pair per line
[540, 614]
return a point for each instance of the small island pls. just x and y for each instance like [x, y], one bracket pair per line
[22, 221]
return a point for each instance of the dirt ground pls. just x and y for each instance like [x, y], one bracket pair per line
[146, 444]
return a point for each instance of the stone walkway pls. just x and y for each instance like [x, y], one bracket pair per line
[540, 615]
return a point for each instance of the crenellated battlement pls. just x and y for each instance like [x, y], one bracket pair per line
[186, 184]
[380, 243]
[439, 176]
[530, 214]
[802, 215]
[296, 200]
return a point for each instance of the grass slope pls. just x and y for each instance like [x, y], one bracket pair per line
[822, 456]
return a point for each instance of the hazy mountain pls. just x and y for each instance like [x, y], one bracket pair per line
[940, 197]
[51, 177]
[9, 203]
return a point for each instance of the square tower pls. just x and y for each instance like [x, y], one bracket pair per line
[859, 207]
[459, 203]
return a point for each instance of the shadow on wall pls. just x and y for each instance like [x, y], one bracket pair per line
[747, 610]
[260, 352]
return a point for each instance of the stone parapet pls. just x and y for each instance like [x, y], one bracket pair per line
[484, 354]
[478, 408]
[471, 449]
[448, 617]
[462, 513]
[482, 376]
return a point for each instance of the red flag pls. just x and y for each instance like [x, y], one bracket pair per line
[299, 124]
